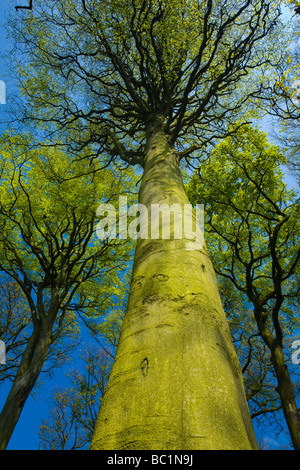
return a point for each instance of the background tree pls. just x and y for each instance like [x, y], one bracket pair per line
[257, 369]
[190, 90]
[48, 246]
[14, 321]
[280, 95]
[253, 229]
[151, 82]
[74, 410]
[259, 376]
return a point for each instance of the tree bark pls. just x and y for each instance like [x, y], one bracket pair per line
[287, 396]
[176, 382]
[26, 377]
[284, 384]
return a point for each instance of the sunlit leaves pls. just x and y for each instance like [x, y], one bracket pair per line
[251, 217]
[47, 202]
[252, 230]
[108, 68]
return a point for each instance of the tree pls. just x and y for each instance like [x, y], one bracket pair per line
[14, 321]
[74, 410]
[253, 230]
[151, 82]
[258, 373]
[48, 247]
[280, 96]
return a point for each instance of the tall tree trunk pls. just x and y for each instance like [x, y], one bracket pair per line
[26, 377]
[287, 396]
[176, 382]
[284, 384]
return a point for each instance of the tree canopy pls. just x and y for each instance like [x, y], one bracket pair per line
[102, 72]
[109, 84]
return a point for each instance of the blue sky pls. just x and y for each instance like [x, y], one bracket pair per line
[25, 436]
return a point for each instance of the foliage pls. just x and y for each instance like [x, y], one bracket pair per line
[48, 217]
[189, 65]
[74, 410]
[49, 248]
[249, 212]
[252, 228]
[293, 3]
[14, 321]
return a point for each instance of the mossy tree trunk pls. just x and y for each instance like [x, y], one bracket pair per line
[176, 382]
[27, 375]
